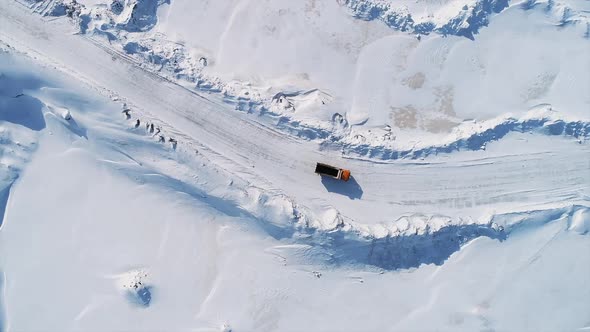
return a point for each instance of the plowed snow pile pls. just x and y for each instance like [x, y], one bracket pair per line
[157, 157]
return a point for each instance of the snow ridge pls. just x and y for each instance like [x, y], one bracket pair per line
[136, 15]
[473, 137]
[466, 23]
[561, 13]
[413, 240]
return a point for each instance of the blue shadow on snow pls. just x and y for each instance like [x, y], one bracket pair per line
[404, 251]
[23, 110]
[351, 188]
[141, 296]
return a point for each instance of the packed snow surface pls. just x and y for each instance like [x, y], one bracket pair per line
[156, 165]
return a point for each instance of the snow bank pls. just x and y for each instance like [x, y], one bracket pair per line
[377, 144]
[413, 240]
[446, 17]
[580, 221]
[136, 15]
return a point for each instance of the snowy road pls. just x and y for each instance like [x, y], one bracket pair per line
[539, 171]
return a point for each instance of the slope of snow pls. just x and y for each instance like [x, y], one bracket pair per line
[127, 233]
[379, 193]
[328, 65]
[456, 217]
[21, 118]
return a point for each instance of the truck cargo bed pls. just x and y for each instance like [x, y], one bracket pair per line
[327, 170]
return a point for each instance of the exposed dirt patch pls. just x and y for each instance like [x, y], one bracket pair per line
[445, 97]
[404, 117]
[439, 118]
[415, 81]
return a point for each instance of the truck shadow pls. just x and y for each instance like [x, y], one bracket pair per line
[351, 188]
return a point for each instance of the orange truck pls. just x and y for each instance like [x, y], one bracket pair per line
[333, 172]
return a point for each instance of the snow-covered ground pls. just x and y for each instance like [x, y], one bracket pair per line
[469, 206]
[305, 61]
